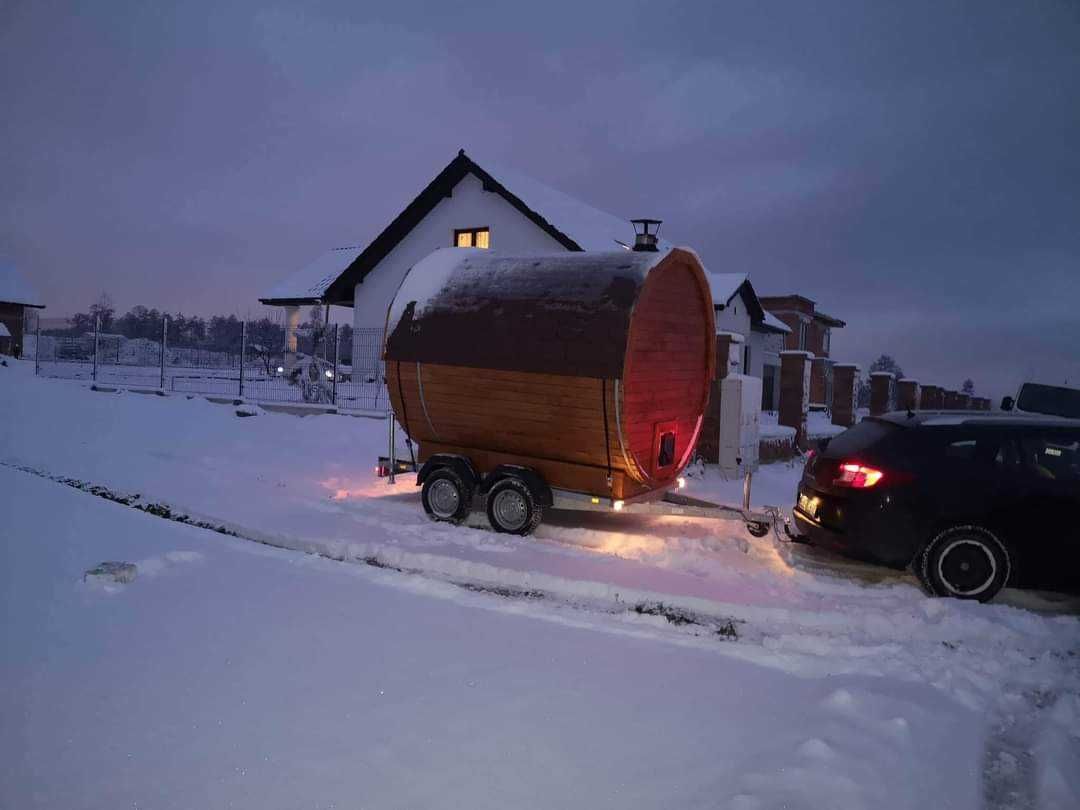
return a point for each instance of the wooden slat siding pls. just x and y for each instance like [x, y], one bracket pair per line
[668, 362]
[517, 414]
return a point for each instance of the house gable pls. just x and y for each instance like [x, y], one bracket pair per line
[470, 206]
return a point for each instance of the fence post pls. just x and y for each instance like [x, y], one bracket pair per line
[243, 354]
[337, 352]
[97, 323]
[164, 340]
[37, 348]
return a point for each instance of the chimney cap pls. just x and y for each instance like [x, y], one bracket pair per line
[646, 233]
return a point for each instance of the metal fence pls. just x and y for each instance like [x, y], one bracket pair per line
[328, 364]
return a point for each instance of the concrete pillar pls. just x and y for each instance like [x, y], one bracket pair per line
[729, 351]
[795, 393]
[907, 395]
[729, 346]
[881, 392]
[292, 322]
[844, 393]
[820, 371]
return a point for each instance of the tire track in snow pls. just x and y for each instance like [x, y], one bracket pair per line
[929, 641]
[695, 623]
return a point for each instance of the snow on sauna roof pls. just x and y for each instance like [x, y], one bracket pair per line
[570, 222]
[309, 284]
[14, 289]
[559, 313]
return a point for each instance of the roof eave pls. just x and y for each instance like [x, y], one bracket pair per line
[829, 320]
[768, 327]
[290, 302]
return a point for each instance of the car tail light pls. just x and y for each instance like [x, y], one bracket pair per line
[858, 476]
[382, 471]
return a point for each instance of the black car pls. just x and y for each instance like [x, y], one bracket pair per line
[971, 503]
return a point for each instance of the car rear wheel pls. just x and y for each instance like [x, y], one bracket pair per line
[965, 562]
[446, 497]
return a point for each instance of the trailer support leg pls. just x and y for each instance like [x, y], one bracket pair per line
[393, 448]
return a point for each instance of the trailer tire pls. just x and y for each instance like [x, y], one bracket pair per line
[512, 508]
[446, 497]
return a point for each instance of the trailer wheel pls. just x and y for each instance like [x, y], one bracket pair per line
[511, 507]
[758, 529]
[446, 497]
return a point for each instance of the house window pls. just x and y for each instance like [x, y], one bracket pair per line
[802, 335]
[825, 343]
[472, 237]
[746, 359]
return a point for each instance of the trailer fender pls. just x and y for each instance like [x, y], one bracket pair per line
[460, 464]
[532, 479]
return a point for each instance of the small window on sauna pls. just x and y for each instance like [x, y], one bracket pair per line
[472, 237]
[665, 453]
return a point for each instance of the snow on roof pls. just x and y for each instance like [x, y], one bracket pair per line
[590, 227]
[4, 330]
[776, 323]
[724, 286]
[311, 282]
[14, 289]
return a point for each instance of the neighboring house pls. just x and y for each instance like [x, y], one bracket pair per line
[16, 296]
[466, 205]
[811, 331]
[739, 311]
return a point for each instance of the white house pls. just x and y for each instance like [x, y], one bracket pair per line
[468, 205]
[739, 311]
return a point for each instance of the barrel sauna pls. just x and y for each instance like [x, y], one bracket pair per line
[591, 369]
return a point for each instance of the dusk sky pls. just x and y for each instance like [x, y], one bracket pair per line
[915, 168]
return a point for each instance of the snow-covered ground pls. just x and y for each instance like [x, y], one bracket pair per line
[591, 665]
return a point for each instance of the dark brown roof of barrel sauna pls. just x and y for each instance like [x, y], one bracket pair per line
[566, 313]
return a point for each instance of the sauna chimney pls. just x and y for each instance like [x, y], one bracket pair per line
[646, 232]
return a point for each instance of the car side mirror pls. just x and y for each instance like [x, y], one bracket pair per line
[1007, 403]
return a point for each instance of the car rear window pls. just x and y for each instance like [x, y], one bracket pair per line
[1049, 399]
[861, 436]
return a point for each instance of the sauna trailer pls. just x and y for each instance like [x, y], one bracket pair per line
[581, 377]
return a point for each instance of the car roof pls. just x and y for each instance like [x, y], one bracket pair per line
[971, 419]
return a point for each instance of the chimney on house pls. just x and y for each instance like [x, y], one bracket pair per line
[646, 232]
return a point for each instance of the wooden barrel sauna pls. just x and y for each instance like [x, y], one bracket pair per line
[593, 369]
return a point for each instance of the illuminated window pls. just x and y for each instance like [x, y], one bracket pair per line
[472, 237]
